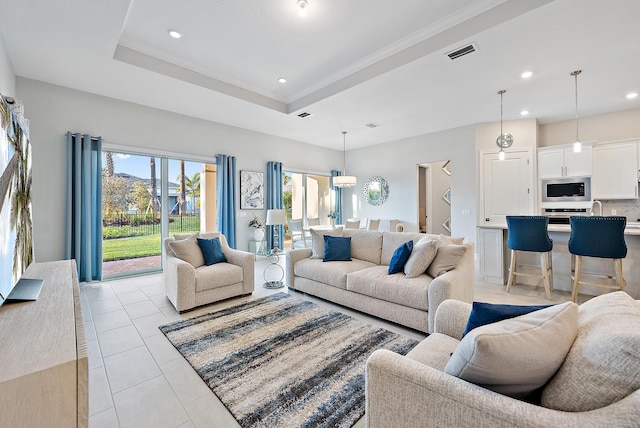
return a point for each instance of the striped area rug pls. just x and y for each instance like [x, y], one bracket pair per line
[281, 361]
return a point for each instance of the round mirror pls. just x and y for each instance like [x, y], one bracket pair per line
[376, 190]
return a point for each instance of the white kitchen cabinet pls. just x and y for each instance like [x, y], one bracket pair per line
[615, 171]
[491, 252]
[564, 162]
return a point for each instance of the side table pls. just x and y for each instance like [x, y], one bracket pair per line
[258, 248]
[273, 258]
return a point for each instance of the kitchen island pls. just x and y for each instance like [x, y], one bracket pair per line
[494, 258]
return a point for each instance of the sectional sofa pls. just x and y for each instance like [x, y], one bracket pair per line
[365, 285]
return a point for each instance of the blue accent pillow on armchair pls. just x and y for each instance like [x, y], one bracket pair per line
[486, 313]
[337, 249]
[400, 257]
[211, 251]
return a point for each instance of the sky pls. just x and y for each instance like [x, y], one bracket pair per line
[139, 166]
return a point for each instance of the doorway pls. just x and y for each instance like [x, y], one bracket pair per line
[434, 197]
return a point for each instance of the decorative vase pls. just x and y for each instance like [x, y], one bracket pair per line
[258, 234]
[333, 222]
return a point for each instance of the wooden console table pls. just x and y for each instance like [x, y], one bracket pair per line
[44, 368]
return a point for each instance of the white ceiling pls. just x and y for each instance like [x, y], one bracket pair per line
[348, 62]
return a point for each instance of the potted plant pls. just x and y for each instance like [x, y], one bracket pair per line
[258, 223]
[333, 215]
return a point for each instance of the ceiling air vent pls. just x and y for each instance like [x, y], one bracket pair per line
[455, 54]
[304, 114]
[372, 125]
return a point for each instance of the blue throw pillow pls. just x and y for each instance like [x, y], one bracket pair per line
[400, 257]
[486, 313]
[211, 251]
[337, 249]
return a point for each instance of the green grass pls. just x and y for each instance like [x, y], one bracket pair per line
[132, 247]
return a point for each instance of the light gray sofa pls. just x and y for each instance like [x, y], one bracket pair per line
[596, 385]
[364, 284]
[189, 283]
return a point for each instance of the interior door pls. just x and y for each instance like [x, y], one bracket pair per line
[507, 186]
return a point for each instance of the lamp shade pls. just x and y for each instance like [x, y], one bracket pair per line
[344, 181]
[276, 217]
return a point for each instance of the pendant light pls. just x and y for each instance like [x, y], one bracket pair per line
[504, 141]
[577, 145]
[344, 180]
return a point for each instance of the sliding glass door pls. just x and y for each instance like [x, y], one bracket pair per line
[134, 192]
[306, 197]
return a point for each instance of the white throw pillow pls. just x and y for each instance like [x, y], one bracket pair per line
[517, 356]
[317, 240]
[446, 259]
[188, 250]
[421, 257]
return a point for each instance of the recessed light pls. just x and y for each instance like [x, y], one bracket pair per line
[526, 74]
[282, 80]
[632, 95]
[175, 34]
[524, 112]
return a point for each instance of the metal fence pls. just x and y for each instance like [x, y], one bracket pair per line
[127, 225]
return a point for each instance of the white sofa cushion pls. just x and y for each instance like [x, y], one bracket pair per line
[397, 288]
[603, 365]
[421, 257]
[392, 240]
[446, 259]
[317, 240]
[365, 245]
[517, 356]
[334, 273]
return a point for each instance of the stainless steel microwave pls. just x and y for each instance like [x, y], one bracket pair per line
[566, 189]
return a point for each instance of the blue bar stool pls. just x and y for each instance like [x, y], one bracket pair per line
[597, 236]
[529, 233]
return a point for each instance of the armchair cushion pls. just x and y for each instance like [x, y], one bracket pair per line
[517, 356]
[602, 365]
[188, 250]
[218, 275]
[211, 251]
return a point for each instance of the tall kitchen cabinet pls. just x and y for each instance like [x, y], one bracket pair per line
[615, 171]
[562, 161]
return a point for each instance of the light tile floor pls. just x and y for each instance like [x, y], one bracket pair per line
[138, 379]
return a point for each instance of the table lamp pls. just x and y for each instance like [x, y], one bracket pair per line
[276, 218]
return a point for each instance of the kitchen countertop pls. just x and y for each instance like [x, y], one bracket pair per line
[633, 227]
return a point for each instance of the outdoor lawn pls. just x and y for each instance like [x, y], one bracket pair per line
[128, 242]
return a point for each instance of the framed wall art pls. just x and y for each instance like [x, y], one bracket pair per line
[251, 190]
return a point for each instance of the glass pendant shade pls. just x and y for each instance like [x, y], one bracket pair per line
[344, 180]
[577, 145]
[504, 141]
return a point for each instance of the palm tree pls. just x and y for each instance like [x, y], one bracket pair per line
[183, 193]
[192, 185]
[108, 169]
[154, 188]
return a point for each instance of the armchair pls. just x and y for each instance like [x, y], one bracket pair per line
[414, 391]
[187, 286]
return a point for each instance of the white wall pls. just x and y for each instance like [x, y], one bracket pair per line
[54, 110]
[397, 162]
[7, 75]
[613, 126]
